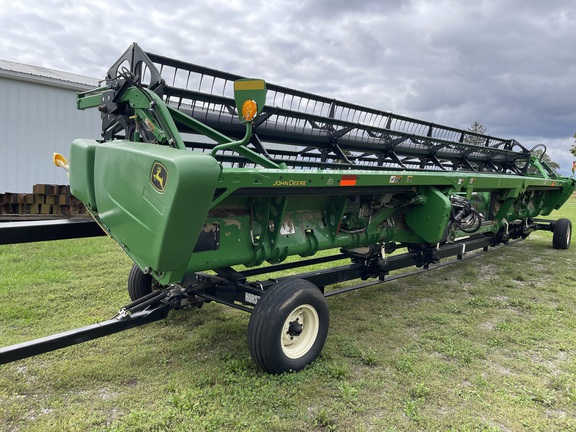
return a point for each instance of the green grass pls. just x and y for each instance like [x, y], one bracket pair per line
[487, 344]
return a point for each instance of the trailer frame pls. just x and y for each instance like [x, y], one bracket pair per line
[233, 288]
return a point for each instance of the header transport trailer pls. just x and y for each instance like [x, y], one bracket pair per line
[201, 170]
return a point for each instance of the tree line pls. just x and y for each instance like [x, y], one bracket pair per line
[479, 128]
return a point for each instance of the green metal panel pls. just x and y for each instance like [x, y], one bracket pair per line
[430, 219]
[153, 200]
[82, 154]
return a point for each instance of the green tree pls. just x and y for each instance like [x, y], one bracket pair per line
[573, 148]
[545, 158]
[476, 128]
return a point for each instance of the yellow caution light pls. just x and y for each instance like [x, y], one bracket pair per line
[60, 161]
[249, 110]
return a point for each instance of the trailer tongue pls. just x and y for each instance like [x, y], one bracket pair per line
[204, 170]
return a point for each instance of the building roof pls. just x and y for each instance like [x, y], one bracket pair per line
[41, 75]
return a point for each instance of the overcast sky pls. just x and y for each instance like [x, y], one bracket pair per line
[508, 64]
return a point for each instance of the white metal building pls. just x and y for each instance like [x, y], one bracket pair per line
[38, 117]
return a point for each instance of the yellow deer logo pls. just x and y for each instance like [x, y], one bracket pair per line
[159, 176]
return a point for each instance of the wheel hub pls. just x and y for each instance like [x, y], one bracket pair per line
[295, 328]
[300, 331]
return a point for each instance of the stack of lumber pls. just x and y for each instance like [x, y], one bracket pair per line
[45, 199]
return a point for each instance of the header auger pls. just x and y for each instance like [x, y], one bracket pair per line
[202, 170]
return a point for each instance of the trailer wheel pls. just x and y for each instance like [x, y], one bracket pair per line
[139, 283]
[288, 327]
[562, 234]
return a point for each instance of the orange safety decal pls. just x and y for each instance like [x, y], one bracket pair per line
[348, 180]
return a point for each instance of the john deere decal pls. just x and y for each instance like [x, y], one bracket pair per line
[159, 177]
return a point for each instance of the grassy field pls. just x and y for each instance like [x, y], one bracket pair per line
[487, 344]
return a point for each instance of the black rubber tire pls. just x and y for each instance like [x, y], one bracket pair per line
[139, 283]
[562, 234]
[273, 348]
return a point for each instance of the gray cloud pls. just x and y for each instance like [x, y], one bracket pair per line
[508, 64]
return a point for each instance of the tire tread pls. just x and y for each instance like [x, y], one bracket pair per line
[561, 238]
[139, 284]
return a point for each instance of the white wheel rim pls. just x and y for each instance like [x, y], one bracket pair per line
[300, 331]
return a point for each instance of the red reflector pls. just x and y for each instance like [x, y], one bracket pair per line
[348, 180]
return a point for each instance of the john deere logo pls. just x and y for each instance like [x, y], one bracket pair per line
[159, 176]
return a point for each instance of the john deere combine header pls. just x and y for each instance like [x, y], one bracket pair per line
[204, 170]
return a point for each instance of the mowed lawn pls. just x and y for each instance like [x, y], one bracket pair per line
[487, 344]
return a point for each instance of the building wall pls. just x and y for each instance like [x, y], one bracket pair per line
[37, 120]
